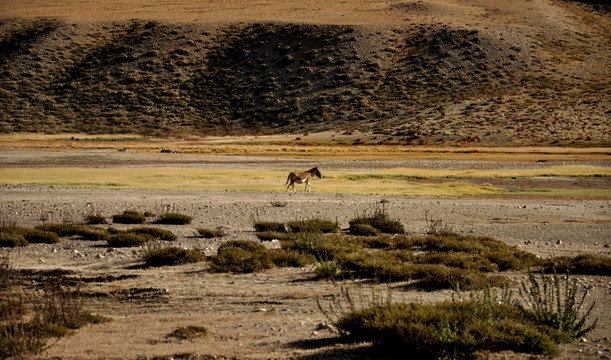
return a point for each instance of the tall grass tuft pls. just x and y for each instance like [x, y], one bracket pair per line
[556, 302]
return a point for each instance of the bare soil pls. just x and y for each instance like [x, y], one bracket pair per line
[274, 314]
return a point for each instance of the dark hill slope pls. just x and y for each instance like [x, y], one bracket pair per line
[412, 84]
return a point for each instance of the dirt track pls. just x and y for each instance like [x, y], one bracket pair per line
[271, 314]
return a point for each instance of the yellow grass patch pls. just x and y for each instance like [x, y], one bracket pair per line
[393, 181]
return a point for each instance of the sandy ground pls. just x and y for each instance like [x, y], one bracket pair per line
[272, 314]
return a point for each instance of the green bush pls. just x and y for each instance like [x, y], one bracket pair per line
[380, 221]
[95, 220]
[556, 303]
[172, 256]
[448, 330]
[313, 225]
[328, 269]
[268, 226]
[129, 217]
[174, 219]
[10, 239]
[154, 233]
[126, 240]
[241, 256]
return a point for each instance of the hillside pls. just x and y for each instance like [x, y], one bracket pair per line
[529, 73]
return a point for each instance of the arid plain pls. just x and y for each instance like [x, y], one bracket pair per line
[551, 201]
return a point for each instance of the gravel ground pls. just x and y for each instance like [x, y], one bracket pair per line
[273, 314]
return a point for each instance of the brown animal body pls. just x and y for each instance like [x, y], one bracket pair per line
[301, 178]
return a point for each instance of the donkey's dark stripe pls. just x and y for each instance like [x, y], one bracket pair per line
[302, 177]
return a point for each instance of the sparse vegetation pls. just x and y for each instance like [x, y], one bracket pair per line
[58, 311]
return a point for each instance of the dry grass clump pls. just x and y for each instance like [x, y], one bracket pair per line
[241, 256]
[189, 332]
[127, 240]
[10, 239]
[57, 311]
[95, 220]
[14, 236]
[313, 225]
[83, 232]
[268, 226]
[153, 233]
[171, 256]
[129, 217]
[174, 219]
[379, 220]
[210, 233]
[587, 264]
